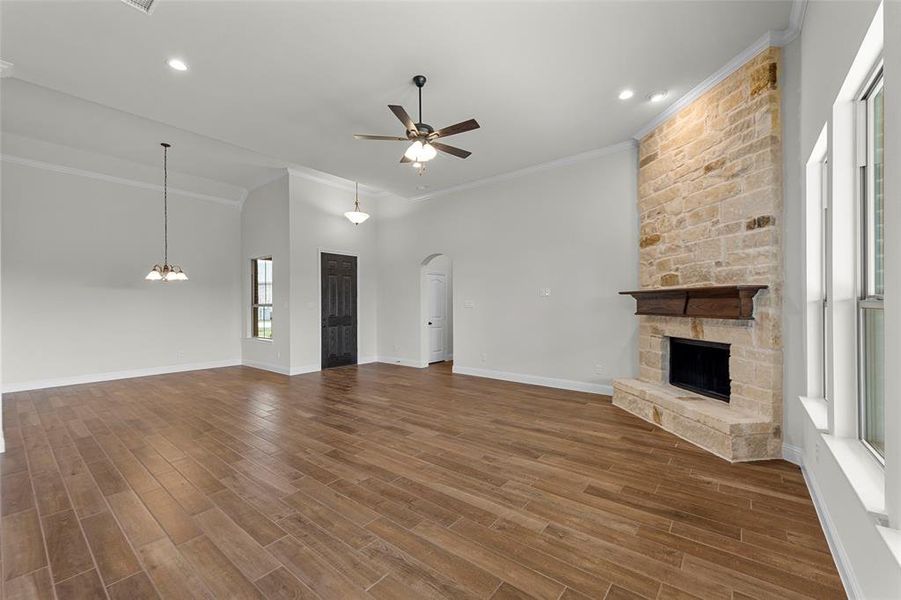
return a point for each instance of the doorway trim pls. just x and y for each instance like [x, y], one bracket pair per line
[423, 308]
[319, 252]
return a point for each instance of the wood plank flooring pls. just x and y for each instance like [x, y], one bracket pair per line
[384, 482]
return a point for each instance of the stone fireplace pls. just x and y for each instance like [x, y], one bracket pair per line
[710, 204]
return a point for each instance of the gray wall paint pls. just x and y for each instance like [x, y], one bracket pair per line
[264, 232]
[317, 224]
[573, 229]
[75, 253]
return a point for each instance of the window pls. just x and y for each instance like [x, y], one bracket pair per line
[871, 324]
[824, 276]
[261, 298]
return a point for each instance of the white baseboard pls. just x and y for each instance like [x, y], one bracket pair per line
[793, 454]
[301, 370]
[842, 562]
[266, 367]
[40, 384]
[563, 384]
[311, 368]
[404, 362]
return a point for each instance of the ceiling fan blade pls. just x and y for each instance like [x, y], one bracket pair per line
[458, 128]
[404, 159]
[401, 114]
[451, 149]
[387, 138]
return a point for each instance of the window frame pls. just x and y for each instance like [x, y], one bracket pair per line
[255, 304]
[825, 271]
[868, 298]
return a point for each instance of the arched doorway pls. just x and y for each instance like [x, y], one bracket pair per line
[436, 310]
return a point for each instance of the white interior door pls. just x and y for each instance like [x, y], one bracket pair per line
[437, 316]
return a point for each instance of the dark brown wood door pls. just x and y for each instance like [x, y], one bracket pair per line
[339, 310]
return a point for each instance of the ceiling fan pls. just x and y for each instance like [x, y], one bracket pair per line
[424, 147]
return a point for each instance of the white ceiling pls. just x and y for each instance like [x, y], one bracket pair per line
[293, 81]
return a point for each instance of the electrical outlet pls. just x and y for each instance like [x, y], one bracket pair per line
[395, 347]
[468, 304]
[544, 292]
[179, 356]
[599, 369]
[484, 357]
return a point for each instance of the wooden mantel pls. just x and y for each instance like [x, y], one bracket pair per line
[714, 302]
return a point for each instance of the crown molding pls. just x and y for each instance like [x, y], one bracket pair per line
[37, 164]
[795, 22]
[554, 164]
[333, 181]
[770, 38]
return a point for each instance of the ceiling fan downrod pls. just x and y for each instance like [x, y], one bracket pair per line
[419, 80]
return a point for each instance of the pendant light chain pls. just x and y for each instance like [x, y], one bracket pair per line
[165, 204]
[166, 272]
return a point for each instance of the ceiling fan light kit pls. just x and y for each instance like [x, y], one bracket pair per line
[166, 272]
[423, 136]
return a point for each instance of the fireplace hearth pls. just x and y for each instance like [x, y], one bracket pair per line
[701, 367]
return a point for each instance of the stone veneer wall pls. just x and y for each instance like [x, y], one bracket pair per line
[710, 200]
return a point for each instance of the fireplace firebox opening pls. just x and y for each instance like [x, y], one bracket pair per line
[701, 367]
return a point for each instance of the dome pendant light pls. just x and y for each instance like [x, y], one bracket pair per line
[166, 272]
[356, 216]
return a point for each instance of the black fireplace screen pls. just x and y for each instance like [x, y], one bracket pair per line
[701, 367]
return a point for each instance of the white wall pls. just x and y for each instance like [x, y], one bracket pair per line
[847, 484]
[317, 223]
[75, 303]
[264, 232]
[793, 342]
[572, 228]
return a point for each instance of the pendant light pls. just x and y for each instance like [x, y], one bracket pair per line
[166, 272]
[356, 216]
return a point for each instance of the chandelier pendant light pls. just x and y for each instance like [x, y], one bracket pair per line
[356, 216]
[166, 272]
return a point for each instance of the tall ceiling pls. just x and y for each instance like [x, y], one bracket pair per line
[293, 81]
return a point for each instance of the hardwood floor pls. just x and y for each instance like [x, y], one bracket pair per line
[384, 482]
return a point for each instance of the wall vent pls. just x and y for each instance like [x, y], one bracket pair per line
[145, 6]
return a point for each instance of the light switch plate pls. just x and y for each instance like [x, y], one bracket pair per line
[544, 292]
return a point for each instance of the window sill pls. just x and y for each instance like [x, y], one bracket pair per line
[256, 339]
[818, 412]
[892, 539]
[860, 468]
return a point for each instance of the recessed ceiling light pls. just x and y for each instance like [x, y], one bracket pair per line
[626, 94]
[177, 64]
[657, 96]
